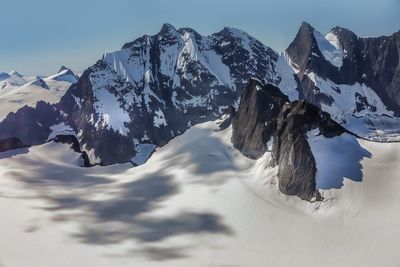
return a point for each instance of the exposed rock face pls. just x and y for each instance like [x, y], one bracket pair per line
[255, 120]
[40, 82]
[10, 143]
[227, 117]
[264, 114]
[65, 74]
[291, 151]
[373, 61]
[356, 80]
[158, 86]
[30, 125]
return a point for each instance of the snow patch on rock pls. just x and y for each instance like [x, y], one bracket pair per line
[330, 48]
[159, 119]
[359, 109]
[108, 108]
[60, 129]
[143, 152]
[287, 84]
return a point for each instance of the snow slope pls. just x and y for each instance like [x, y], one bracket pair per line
[358, 108]
[196, 202]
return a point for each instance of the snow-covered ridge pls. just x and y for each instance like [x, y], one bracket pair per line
[65, 75]
[180, 49]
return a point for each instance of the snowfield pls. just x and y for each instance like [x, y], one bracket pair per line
[195, 202]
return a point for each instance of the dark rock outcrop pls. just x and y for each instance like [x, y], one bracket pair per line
[10, 143]
[291, 150]
[65, 74]
[264, 114]
[255, 120]
[227, 116]
[30, 125]
[156, 87]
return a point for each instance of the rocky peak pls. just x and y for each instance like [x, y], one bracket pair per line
[265, 116]
[305, 29]
[167, 29]
[66, 71]
[291, 151]
[15, 73]
[158, 86]
[168, 35]
[40, 82]
[301, 48]
[63, 68]
[255, 120]
[340, 67]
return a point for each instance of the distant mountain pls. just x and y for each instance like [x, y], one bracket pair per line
[17, 90]
[11, 79]
[64, 74]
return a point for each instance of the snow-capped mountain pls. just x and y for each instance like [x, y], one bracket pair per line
[354, 79]
[153, 89]
[64, 75]
[11, 79]
[17, 91]
[158, 86]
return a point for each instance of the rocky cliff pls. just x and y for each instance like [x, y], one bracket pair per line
[265, 116]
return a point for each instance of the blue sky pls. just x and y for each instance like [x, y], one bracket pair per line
[37, 37]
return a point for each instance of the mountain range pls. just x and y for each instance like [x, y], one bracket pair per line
[136, 99]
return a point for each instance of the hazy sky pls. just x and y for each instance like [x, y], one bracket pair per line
[39, 36]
